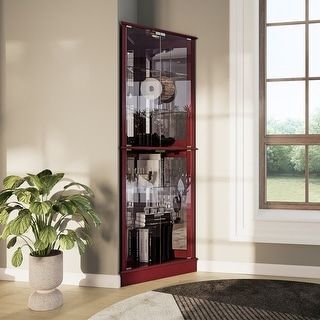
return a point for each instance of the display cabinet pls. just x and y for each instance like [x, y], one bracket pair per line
[157, 154]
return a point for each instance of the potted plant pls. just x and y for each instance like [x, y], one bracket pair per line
[36, 217]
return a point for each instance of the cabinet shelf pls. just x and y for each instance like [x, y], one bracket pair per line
[153, 272]
[173, 149]
[157, 152]
[176, 75]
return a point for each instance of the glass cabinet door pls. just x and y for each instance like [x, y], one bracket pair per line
[158, 206]
[158, 89]
[157, 154]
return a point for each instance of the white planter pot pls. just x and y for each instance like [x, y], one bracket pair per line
[45, 275]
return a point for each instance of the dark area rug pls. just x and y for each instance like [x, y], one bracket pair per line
[247, 299]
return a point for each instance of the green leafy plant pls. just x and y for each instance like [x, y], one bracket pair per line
[34, 217]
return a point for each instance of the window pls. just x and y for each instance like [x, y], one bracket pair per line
[289, 104]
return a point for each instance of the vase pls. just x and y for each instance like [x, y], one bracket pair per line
[45, 275]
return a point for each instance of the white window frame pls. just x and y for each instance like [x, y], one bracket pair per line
[248, 222]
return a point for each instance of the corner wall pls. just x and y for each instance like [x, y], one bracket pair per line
[128, 10]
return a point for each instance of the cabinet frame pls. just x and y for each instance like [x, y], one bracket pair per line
[186, 259]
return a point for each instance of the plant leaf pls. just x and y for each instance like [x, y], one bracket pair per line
[15, 207]
[27, 195]
[82, 205]
[81, 246]
[4, 215]
[81, 202]
[45, 172]
[5, 195]
[11, 242]
[21, 223]
[94, 217]
[12, 182]
[24, 196]
[39, 245]
[82, 233]
[41, 207]
[34, 181]
[66, 208]
[17, 258]
[58, 195]
[6, 231]
[72, 234]
[90, 217]
[86, 188]
[49, 181]
[66, 242]
[5, 211]
[47, 235]
[62, 225]
[35, 192]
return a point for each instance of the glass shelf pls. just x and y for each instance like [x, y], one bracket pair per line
[157, 203]
[158, 89]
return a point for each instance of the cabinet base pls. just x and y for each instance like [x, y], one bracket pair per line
[164, 270]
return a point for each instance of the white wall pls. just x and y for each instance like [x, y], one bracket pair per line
[61, 105]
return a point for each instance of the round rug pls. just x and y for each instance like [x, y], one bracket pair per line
[222, 299]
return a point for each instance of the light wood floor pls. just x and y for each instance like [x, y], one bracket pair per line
[83, 302]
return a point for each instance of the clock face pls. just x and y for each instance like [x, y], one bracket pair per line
[151, 88]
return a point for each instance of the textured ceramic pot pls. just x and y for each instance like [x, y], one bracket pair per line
[45, 275]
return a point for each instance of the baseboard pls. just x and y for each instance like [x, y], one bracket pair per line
[114, 281]
[77, 279]
[280, 270]
[92, 280]
[9, 274]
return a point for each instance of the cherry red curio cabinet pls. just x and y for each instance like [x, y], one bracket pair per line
[157, 154]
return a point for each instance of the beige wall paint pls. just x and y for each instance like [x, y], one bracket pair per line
[2, 91]
[128, 10]
[209, 21]
[62, 108]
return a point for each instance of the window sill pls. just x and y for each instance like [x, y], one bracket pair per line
[307, 216]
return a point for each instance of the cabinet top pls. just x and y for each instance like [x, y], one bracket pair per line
[133, 25]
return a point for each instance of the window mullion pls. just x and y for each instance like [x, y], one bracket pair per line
[307, 101]
[307, 68]
[288, 23]
[293, 139]
[306, 172]
[262, 98]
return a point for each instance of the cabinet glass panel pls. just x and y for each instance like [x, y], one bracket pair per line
[158, 193]
[158, 89]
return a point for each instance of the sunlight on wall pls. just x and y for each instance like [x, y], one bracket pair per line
[24, 159]
[212, 119]
[69, 44]
[15, 51]
[62, 105]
